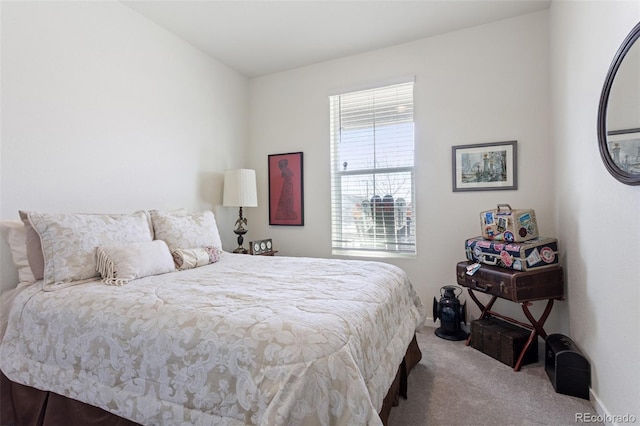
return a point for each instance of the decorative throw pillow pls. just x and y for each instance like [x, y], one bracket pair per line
[196, 257]
[186, 230]
[15, 235]
[119, 264]
[69, 242]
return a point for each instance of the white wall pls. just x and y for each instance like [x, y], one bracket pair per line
[598, 217]
[484, 84]
[104, 111]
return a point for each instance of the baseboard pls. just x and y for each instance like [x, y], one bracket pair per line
[603, 414]
[598, 406]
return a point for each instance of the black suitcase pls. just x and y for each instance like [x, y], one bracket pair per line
[568, 370]
[529, 255]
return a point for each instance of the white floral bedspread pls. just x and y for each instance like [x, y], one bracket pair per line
[247, 340]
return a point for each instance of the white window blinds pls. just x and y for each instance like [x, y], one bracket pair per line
[372, 171]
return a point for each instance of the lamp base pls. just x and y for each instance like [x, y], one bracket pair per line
[240, 231]
[456, 335]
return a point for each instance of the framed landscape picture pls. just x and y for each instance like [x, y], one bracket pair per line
[485, 166]
[624, 150]
[286, 197]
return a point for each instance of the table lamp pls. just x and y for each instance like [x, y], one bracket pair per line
[240, 191]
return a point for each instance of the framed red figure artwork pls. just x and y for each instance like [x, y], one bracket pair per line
[286, 201]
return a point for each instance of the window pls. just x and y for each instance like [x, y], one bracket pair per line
[372, 171]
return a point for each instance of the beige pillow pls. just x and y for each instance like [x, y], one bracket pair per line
[34, 247]
[119, 264]
[196, 257]
[181, 230]
[69, 242]
[15, 234]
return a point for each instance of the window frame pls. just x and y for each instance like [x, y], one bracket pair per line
[338, 243]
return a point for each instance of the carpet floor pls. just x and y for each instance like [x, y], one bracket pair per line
[458, 385]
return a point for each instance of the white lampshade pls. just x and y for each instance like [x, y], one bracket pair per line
[240, 188]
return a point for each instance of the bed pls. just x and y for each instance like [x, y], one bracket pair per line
[234, 340]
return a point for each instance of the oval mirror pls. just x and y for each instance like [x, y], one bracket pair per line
[619, 113]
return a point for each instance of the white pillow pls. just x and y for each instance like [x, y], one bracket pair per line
[16, 237]
[119, 264]
[181, 230]
[69, 242]
[34, 247]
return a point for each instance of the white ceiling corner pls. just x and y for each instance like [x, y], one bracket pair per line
[262, 37]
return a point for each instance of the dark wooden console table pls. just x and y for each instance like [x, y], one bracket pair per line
[516, 286]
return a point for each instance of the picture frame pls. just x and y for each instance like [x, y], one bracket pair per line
[286, 189]
[485, 166]
[623, 149]
[619, 146]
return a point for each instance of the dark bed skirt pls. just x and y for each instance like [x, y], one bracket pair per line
[399, 385]
[26, 406]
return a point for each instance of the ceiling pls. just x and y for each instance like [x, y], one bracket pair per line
[262, 37]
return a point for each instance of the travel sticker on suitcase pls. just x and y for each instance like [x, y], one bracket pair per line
[507, 224]
[525, 256]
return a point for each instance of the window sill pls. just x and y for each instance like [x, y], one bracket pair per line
[372, 253]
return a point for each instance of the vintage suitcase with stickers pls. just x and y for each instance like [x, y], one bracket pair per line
[517, 286]
[525, 256]
[507, 224]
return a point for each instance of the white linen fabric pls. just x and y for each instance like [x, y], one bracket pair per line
[34, 247]
[16, 237]
[119, 264]
[247, 340]
[186, 230]
[6, 301]
[69, 242]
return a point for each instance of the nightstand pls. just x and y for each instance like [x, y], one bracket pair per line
[523, 287]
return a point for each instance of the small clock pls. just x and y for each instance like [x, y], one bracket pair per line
[261, 246]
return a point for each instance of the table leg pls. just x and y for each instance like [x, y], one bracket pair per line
[484, 310]
[537, 329]
[538, 325]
